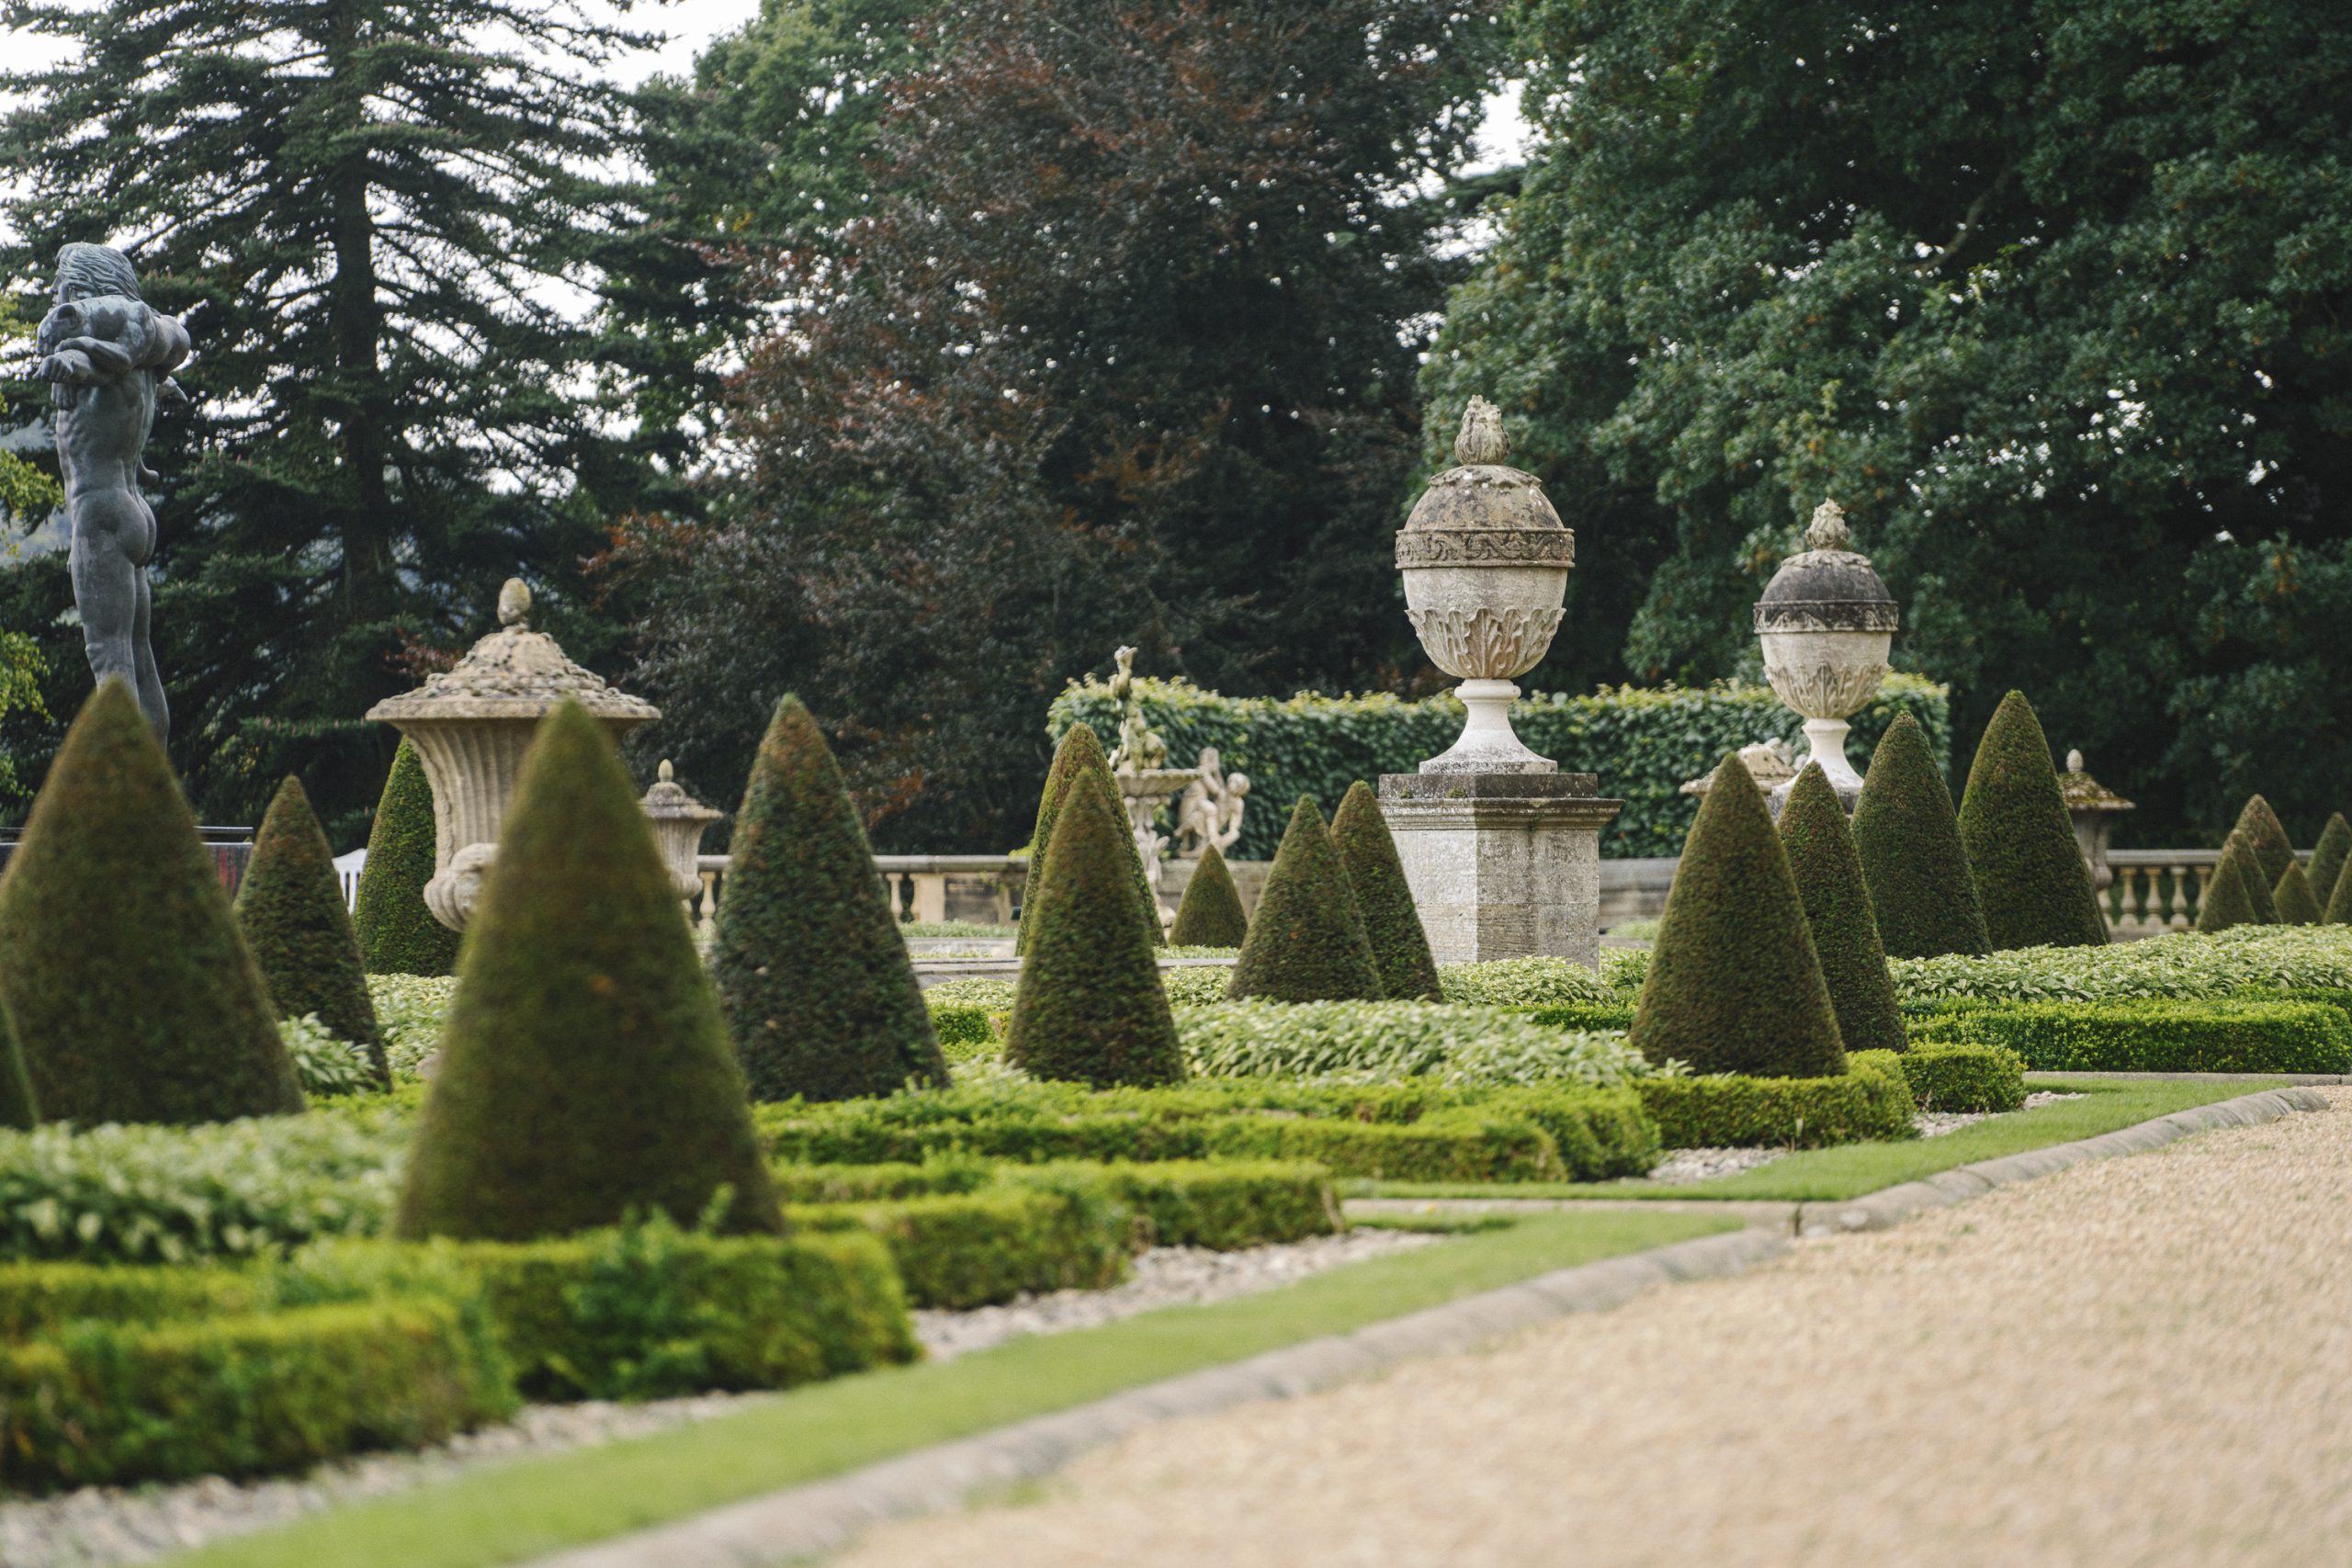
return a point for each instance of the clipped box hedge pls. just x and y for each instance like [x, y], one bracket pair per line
[1960, 1078]
[958, 1250]
[112, 1402]
[2248, 962]
[1870, 1101]
[2153, 1036]
[1395, 1042]
[1644, 742]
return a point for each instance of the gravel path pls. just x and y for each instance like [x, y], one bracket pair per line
[2141, 1361]
[98, 1526]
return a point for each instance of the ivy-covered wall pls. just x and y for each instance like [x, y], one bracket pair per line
[1642, 741]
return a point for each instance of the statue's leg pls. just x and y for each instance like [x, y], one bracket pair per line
[110, 591]
[151, 701]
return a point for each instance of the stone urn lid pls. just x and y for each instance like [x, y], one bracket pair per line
[1483, 512]
[1828, 587]
[2085, 793]
[668, 801]
[515, 672]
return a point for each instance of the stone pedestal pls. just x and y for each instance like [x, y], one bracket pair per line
[1501, 865]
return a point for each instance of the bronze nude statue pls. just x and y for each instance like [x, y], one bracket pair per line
[107, 357]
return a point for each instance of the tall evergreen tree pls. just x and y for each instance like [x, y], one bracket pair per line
[1168, 362]
[397, 935]
[1391, 920]
[1908, 837]
[366, 212]
[2029, 870]
[291, 911]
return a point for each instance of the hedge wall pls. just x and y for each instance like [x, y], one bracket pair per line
[1644, 742]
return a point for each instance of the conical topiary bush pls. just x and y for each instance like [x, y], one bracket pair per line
[1734, 984]
[813, 978]
[1908, 840]
[2031, 875]
[1391, 922]
[397, 935]
[1081, 752]
[290, 909]
[2339, 901]
[2228, 900]
[1306, 942]
[17, 1107]
[2328, 857]
[1090, 1007]
[585, 1073]
[134, 996]
[2293, 899]
[1838, 911]
[2259, 895]
[2267, 836]
[1209, 914]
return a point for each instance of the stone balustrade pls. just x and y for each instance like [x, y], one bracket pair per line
[2155, 891]
[982, 889]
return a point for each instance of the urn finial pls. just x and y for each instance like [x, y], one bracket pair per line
[1827, 531]
[515, 604]
[1481, 439]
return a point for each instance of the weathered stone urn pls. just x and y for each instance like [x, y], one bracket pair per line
[1825, 622]
[2093, 808]
[1485, 562]
[472, 724]
[679, 822]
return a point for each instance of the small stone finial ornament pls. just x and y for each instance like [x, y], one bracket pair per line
[1481, 437]
[515, 604]
[1827, 530]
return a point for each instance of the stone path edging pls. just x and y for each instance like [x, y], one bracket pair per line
[820, 1517]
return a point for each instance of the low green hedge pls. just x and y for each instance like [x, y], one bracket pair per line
[1395, 1042]
[966, 1249]
[2184, 966]
[1614, 1016]
[1870, 1100]
[966, 1030]
[1962, 1078]
[2153, 1037]
[1522, 982]
[110, 1402]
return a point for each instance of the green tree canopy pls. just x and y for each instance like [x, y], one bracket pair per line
[2054, 299]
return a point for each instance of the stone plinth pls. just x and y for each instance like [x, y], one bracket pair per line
[1501, 865]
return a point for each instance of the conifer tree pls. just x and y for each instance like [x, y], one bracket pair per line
[1391, 921]
[133, 995]
[1209, 914]
[363, 208]
[1838, 911]
[2264, 903]
[585, 1072]
[397, 935]
[2228, 899]
[813, 976]
[2266, 836]
[1308, 942]
[1081, 755]
[290, 909]
[17, 1107]
[2328, 857]
[1734, 984]
[2031, 875]
[2339, 901]
[1909, 838]
[2292, 899]
[1091, 1008]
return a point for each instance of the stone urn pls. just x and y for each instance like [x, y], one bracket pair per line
[2093, 807]
[472, 724]
[1825, 622]
[679, 822]
[1486, 561]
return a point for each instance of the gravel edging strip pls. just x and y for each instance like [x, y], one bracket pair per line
[805, 1521]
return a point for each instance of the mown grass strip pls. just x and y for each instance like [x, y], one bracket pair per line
[519, 1511]
[1850, 1170]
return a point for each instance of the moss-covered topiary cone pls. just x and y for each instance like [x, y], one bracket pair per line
[2264, 903]
[1307, 942]
[584, 1070]
[1734, 984]
[2293, 898]
[1909, 838]
[290, 909]
[1081, 752]
[2328, 856]
[1837, 909]
[1391, 922]
[813, 976]
[397, 935]
[2031, 875]
[1209, 915]
[2267, 836]
[17, 1107]
[1089, 1009]
[134, 996]
[2228, 900]
[2339, 901]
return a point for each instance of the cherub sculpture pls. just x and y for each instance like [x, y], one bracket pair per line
[107, 357]
[1210, 811]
